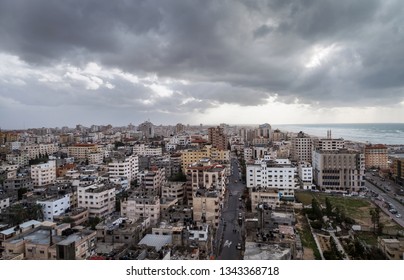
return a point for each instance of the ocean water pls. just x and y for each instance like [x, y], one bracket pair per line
[373, 133]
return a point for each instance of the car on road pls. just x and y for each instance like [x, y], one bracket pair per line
[238, 247]
[398, 215]
[393, 211]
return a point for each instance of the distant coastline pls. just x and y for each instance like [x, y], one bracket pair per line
[373, 133]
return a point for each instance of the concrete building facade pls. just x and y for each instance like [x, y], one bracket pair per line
[376, 156]
[54, 206]
[43, 174]
[276, 174]
[302, 147]
[127, 167]
[339, 170]
[97, 198]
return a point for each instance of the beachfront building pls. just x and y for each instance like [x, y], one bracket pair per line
[329, 143]
[376, 156]
[339, 170]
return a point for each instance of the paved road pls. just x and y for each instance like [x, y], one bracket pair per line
[230, 232]
[386, 197]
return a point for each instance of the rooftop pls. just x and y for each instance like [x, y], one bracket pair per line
[156, 241]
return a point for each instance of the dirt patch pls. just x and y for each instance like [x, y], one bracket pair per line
[324, 242]
[308, 254]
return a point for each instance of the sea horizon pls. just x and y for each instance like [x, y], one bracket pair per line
[371, 133]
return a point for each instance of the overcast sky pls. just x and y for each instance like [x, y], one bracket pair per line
[238, 62]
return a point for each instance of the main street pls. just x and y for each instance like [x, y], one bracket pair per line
[387, 192]
[230, 231]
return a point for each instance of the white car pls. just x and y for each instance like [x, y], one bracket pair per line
[398, 215]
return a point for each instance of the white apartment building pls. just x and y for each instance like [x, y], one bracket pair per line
[95, 158]
[20, 159]
[248, 154]
[180, 140]
[302, 147]
[35, 150]
[144, 150]
[43, 174]
[276, 174]
[127, 167]
[136, 207]
[339, 170]
[54, 206]
[305, 173]
[329, 144]
[15, 145]
[258, 152]
[97, 198]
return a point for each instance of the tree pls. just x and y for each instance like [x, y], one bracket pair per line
[21, 192]
[316, 209]
[328, 207]
[93, 221]
[375, 217]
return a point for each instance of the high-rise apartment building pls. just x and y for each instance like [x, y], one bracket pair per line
[376, 156]
[302, 147]
[147, 129]
[398, 170]
[217, 137]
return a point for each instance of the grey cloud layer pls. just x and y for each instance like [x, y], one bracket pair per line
[230, 52]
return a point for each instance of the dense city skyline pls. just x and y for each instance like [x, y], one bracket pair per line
[206, 62]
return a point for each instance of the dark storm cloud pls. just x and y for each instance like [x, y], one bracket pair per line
[236, 52]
